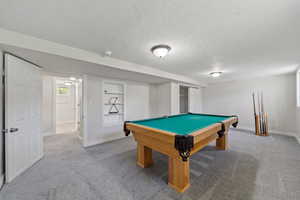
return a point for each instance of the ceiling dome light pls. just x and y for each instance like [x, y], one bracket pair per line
[68, 83]
[160, 50]
[215, 74]
[72, 78]
[108, 53]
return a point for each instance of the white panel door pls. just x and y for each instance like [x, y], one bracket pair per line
[23, 100]
[1, 126]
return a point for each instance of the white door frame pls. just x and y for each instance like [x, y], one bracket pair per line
[84, 111]
[2, 127]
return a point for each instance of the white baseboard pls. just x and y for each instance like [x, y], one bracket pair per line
[65, 122]
[101, 140]
[293, 134]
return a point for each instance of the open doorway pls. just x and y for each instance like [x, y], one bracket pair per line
[184, 99]
[62, 105]
[66, 106]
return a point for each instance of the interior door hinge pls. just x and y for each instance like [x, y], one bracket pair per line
[4, 131]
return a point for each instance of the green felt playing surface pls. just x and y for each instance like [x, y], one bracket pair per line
[182, 124]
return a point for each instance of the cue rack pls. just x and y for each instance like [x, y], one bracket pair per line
[260, 116]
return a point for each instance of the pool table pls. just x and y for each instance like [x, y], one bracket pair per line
[178, 137]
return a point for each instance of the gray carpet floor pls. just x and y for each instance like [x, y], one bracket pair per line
[260, 168]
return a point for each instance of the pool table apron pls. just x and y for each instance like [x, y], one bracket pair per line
[178, 176]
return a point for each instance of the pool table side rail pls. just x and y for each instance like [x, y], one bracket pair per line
[206, 132]
[213, 115]
[162, 135]
[161, 117]
[167, 136]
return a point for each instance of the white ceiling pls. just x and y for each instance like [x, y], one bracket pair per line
[244, 39]
[66, 67]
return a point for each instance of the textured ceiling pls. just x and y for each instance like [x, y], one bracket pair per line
[66, 67]
[244, 39]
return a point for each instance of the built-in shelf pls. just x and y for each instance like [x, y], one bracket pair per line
[113, 103]
[109, 114]
[113, 93]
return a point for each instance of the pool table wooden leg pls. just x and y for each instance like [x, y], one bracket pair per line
[144, 156]
[222, 143]
[179, 174]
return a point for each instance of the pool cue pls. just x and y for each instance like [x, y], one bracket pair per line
[265, 120]
[255, 115]
[259, 113]
[267, 128]
[263, 113]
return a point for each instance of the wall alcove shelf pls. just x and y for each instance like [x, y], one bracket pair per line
[113, 103]
[113, 93]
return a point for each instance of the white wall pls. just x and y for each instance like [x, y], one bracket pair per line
[160, 99]
[174, 87]
[153, 100]
[137, 101]
[195, 100]
[137, 104]
[235, 98]
[48, 124]
[164, 99]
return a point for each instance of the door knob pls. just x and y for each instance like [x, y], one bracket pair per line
[12, 130]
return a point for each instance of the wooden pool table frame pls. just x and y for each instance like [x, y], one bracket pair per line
[149, 139]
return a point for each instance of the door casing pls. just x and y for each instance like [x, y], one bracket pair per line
[2, 124]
